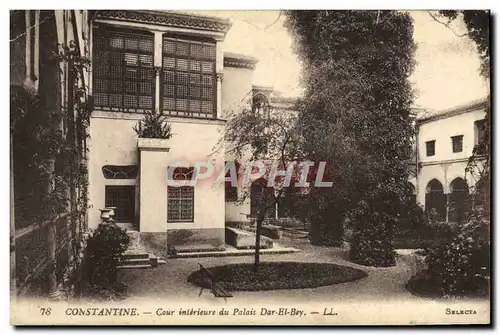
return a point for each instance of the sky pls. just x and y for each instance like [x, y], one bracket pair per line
[446, 74]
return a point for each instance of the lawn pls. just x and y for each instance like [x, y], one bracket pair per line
[278, 275]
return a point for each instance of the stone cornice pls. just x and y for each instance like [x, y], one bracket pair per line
[450, 161]
[472, 106]
[237, 60]
[241, 63]
[166, 18]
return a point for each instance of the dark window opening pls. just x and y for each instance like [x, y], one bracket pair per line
[458, 200]
[231, 192]
[457, 143]
[430, 148]
[123, 198]
[435, 199]
[480, 136]
[183, 173]
[261, 106]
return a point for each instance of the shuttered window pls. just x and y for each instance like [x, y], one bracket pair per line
[123, 198]
[180, 204]
[123, 71]
[180, 200]
[188, 78]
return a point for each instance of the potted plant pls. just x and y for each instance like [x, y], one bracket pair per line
[153, 131]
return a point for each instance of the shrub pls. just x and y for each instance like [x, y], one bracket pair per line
[426, 231]
[103, 255]
[372, 237]
[461, 267]
[154, 125]
[326, 221]
[412, 217]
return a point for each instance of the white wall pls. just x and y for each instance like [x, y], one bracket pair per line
[442, 130]
[113, 142]
[446, 165]
[236, 89]
[236, 95]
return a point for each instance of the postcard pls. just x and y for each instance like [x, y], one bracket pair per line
[286, 167]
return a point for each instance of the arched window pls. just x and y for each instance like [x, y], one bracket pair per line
[435, 198]
[458, 204]
[260, 105]
[482, 195]
[411, 193]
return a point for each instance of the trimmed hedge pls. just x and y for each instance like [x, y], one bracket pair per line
[278, 276]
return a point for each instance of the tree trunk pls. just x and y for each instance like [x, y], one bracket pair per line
[54, 292]
[13, 287]
[260, 219]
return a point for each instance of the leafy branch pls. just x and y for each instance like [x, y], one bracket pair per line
[446, 24]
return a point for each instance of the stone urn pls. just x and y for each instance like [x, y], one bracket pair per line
[112, 212]
[106, 215]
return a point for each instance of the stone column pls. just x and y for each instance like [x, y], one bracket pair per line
[220, 76]
[158, 43]
[153, 184]
[157, 104]
[219, 67]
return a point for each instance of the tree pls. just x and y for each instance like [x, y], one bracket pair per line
[477, 23]
[462, 267]
[356, 66]
[269, 136]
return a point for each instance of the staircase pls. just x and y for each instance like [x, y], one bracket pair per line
[139, 259]
[136, 257]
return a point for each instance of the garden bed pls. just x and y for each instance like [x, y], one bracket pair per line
[278, 276]
[414, 239]
[426, 286]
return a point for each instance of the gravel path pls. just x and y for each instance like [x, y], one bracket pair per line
[169, 281]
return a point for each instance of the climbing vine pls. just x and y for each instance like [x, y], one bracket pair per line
[73, 149]
[50, 152]
[73, 153]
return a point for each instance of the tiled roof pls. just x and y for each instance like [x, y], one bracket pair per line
[428, 114]
[232, 59]
[167, 18]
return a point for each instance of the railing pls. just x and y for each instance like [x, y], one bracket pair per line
[32, 247]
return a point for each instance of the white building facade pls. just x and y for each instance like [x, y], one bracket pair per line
[445, 142]
[174, 63]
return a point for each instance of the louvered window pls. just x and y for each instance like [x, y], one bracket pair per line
[180, 200]
[123, 71]
[188, 78]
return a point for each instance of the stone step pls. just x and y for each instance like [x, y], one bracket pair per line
[126, 266]
[198, 248]
[136, 255]
[143, 261]
[242, 239]
[235, 252]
